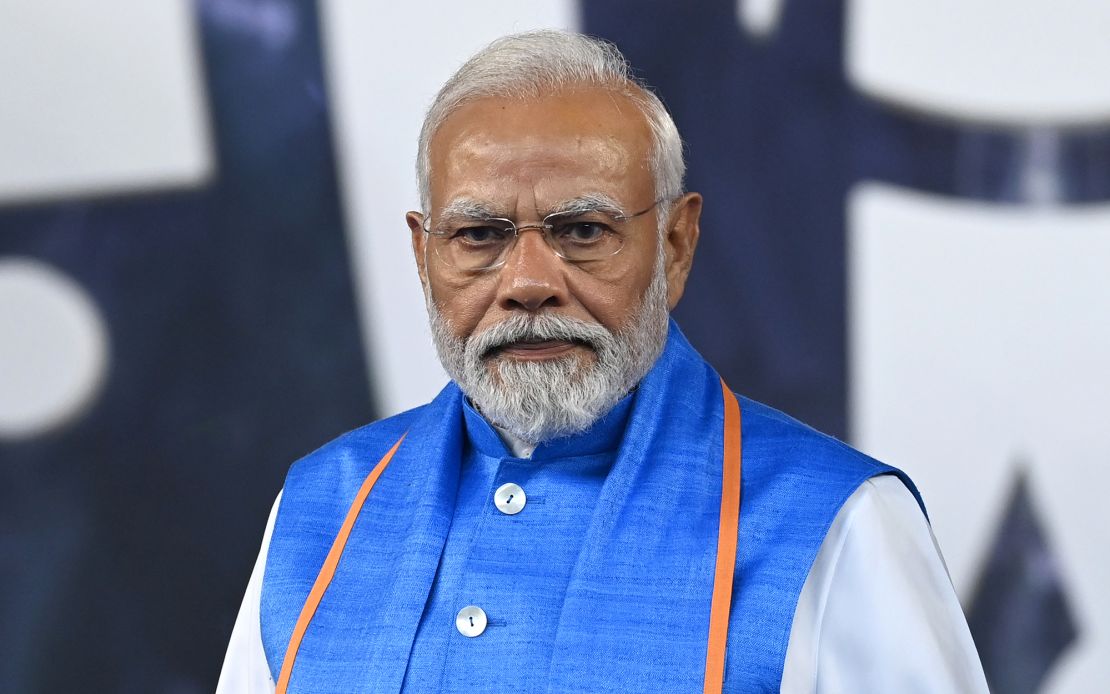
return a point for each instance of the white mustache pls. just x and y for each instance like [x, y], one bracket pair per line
[537, 327]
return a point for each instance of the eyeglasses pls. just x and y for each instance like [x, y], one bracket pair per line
[478, 244]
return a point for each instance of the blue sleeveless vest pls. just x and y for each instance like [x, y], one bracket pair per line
[636, 612]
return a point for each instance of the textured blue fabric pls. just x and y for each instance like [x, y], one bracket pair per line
[515, 567]
[634, 613]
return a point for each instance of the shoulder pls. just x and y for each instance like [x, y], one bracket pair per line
[769, 430]
[883, 511]
[321, 486]
[885, 500]
[880, 522]
[776, 444]
[356, 445]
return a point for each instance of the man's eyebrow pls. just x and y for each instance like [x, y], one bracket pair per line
[590, 202]
[466, 208]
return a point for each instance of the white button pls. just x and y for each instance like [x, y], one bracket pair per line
[509, 499]
[470, 621]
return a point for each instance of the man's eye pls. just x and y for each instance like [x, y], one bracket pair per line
[479, 235]
[581, 232]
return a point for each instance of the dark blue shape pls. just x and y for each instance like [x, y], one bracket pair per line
[1020, 616]
[128, 537]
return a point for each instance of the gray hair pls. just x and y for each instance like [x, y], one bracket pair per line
[536, 63]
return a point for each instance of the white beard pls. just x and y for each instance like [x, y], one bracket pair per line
[541, 400]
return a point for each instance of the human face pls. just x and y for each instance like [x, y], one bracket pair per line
[523, 159]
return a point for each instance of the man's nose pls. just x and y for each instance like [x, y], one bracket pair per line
[532, 277]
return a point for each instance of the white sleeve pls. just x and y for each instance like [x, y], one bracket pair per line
[245, 668]
[878, 612]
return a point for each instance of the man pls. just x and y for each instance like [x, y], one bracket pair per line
[566, 515]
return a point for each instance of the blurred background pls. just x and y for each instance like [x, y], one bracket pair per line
[205, 274]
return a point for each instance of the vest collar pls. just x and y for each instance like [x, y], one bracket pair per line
[602, 437]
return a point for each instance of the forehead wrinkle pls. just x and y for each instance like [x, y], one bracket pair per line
[541, 154]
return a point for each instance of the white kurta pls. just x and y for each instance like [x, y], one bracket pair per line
[877, 614]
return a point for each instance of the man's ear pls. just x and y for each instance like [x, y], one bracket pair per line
[681, 238]
[415, 220]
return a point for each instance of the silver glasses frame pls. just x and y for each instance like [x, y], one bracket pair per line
[544, 227]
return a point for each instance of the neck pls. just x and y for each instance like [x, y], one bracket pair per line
[519, 447]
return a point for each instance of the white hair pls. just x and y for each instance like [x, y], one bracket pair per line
[538, 63]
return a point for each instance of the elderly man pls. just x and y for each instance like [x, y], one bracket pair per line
[586, 507]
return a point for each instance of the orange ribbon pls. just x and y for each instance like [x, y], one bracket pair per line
[327, 572]
[727, 531]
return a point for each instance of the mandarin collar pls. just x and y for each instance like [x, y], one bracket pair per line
[605, 435]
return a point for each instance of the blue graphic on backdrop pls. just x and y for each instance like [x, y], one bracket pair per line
[129, 535]
[1020, 615]
[776, 139]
